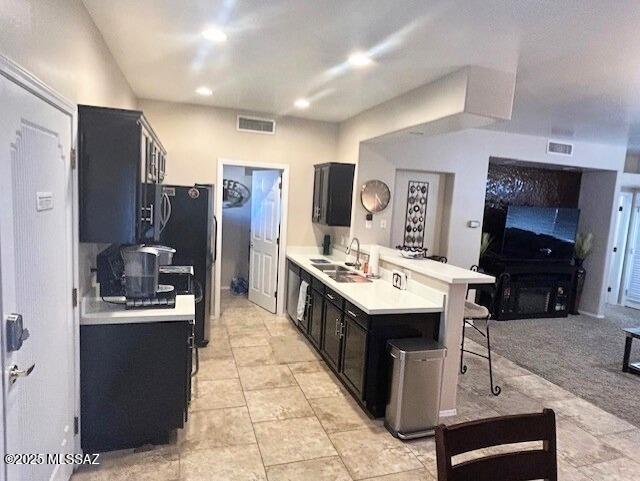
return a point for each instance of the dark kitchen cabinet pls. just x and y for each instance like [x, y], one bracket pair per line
[332, 194]
[135, 383]
[354, 354]
[352, 342]
[331, 335]
[121, 165]
[317, 308]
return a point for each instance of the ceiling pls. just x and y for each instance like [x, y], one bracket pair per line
[577, 61]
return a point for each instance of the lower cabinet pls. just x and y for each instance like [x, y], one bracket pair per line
[134, 383]
[331, 335]
[354, 343]
[354, 354]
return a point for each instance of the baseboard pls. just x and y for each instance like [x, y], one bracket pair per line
[445, 413]
[591, 314]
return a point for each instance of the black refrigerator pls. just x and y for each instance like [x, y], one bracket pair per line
[188, 224]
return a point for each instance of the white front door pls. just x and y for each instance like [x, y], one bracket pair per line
[625, 202]
[631, 293]
[36, 270]
[265, 233]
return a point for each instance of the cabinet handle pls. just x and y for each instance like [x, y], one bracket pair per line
[352, 313]
[331, 297]
[341, 333]
[337, 331]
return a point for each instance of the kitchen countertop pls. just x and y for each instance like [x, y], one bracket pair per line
[443, 272]
[95, 311]
[376, 297]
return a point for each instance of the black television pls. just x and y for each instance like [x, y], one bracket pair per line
[537, 233]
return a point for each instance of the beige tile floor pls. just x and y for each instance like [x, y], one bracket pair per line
[266, 407]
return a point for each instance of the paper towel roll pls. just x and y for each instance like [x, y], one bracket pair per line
[374, 260]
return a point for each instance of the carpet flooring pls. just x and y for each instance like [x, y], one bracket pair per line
[579, 353]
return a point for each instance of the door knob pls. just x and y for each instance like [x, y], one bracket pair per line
[15, 373]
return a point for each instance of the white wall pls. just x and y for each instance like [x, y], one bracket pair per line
[57, 41]
[598, 208]
[465, 155]
[236, 228]
[196, 137]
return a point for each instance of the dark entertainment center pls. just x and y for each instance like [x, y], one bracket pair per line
[532, 215]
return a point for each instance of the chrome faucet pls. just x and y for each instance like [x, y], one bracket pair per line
[357, 265]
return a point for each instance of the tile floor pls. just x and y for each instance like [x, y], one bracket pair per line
[265, 407]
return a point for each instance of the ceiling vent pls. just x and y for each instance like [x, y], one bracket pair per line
[256, 125]
[559, 148]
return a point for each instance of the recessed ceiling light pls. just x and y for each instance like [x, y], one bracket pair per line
[302, 104]
[204, 91]
[214, 34]
[359, 59]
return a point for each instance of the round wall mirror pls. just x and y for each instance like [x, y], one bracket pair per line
[375, 196]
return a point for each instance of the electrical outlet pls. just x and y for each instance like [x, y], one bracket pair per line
[368, 224]
[383, 223]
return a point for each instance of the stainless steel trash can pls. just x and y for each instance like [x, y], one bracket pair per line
[414, 399]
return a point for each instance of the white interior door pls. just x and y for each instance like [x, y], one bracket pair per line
[265, 233]
[631, 293]
[625, 203]
[36, 269]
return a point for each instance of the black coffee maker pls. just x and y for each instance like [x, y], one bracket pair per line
[130, 273]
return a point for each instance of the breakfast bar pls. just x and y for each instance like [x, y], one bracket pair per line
[349, 318]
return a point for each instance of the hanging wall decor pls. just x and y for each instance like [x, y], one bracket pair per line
[417, 194]
[234, 194]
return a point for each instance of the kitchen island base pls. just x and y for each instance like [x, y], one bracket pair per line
[354, 343]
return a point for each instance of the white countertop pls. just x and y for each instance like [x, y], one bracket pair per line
[376, 297]
[96, 311]
[443, 272]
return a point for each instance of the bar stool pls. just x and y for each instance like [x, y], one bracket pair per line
[475, 312]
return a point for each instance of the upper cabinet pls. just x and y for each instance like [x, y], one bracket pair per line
[121, 165]
[332, 194]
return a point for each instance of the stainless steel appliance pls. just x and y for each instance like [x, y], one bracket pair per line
[413, 408]
[141, 265]
[189, 226]
[130, 275]
[293, 290]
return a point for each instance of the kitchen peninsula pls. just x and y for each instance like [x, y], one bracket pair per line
[358, 316]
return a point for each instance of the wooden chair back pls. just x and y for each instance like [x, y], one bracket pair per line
[484, 433]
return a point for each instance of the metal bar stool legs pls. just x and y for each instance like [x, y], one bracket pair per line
[495, 389]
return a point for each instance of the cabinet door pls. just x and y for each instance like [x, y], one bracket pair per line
[331, 334]
[317, 193]
[353, 354]
[324, 193]
[315, 329]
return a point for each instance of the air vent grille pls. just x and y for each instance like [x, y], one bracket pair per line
[559, 148]
[256, 125]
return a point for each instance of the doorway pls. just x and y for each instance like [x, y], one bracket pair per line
[38, 274]
[621, 235]
[252, 205]
[630, 296]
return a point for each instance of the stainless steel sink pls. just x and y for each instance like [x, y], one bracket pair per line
[341, 274]
[349, 277]
[329, 268]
